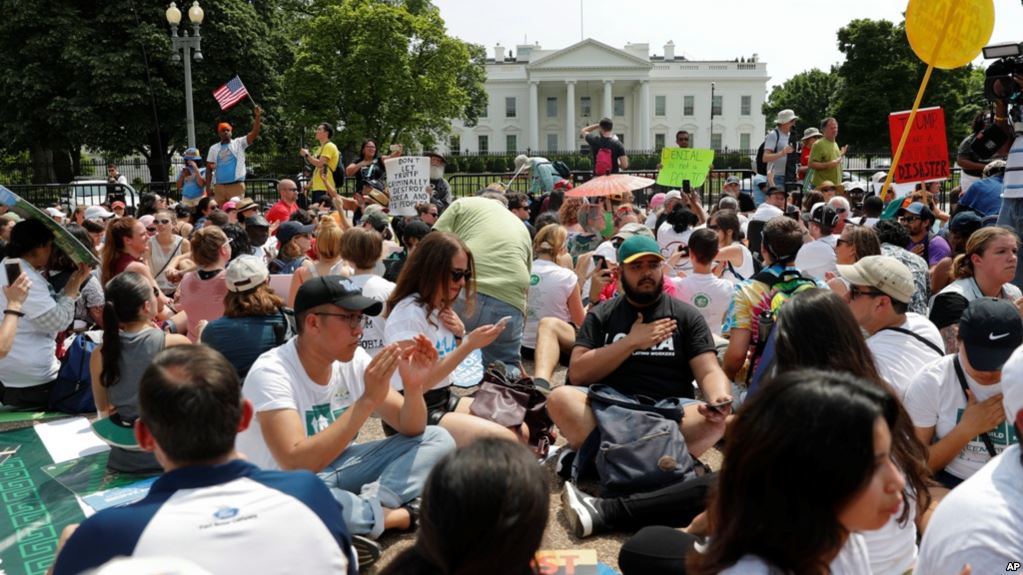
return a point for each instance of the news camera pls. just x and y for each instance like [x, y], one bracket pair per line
[1000, 84]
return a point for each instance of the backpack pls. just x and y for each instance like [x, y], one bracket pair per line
[72, 391]
[782, 288]
[602, 166]
[761, 165]
[338, 172]
[562, 169]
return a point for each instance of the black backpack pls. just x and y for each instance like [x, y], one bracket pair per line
[761, 164]
[562, 169]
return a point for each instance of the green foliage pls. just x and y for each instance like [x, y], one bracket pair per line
[476, 165]
[810, 94]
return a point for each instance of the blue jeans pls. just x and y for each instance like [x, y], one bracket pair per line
[489, 310]
[386, 473]
[1011, 215]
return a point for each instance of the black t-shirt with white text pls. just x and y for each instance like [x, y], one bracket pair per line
[659, 372]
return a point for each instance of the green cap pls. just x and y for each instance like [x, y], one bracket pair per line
[637, 247]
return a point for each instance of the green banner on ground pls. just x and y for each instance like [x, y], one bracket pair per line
[680, 164]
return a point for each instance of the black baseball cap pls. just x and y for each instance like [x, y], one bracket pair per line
[991, 329]
[335, 290]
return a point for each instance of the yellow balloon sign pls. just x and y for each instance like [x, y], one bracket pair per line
[949, 33]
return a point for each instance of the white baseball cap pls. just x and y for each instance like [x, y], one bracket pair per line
[245, 273]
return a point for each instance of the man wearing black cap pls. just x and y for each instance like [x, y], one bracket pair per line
[313, 394]
[917, 218]
[956, 402]
[258, 231]
[817, 258]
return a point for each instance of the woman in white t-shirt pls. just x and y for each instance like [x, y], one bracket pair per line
[362, 248]
[673, 237]
[553, 289]
[429, 283]
[734, 259]
[807, 465]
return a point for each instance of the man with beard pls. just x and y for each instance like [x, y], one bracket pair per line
[644, 343]
[440, 190]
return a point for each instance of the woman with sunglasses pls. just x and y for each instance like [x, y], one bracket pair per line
[130, 341]
[735, 259]
[166, 251]
[433, 277]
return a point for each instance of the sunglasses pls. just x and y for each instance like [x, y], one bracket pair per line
[164, 222]
[457, 275]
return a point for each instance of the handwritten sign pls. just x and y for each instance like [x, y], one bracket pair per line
[925, 155]
[407, 178]
[680, 164]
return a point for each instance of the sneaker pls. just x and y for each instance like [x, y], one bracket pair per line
[542, 385]
[581, 511]
[563, 466]
[367, 551]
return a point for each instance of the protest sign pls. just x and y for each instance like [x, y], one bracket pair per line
[925, 154]
[680, 164]
[407, 178]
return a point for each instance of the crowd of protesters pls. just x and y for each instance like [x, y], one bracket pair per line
[854, 356]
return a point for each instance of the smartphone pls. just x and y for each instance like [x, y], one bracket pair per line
[13, 270]
[687, 187]
[504, 320]
[719, 407]
[683, 249]
[600, 262]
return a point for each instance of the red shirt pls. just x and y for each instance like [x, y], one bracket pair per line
[280, 212]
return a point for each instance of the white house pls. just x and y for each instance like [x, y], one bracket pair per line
[540, 99]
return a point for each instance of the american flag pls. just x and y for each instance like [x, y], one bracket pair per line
[230, 93]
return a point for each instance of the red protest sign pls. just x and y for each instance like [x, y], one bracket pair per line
[925, 156]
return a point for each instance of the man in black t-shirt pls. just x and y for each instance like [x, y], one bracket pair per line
[605, 139]
[644, 343]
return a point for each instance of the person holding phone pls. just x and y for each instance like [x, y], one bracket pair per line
[27, 372]
[191, 182]
[15, 293]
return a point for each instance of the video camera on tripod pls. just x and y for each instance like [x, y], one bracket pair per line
[1000, 83]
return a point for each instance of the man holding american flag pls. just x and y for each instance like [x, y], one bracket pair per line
[226, 159]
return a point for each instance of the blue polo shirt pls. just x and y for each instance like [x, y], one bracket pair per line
[230, 518]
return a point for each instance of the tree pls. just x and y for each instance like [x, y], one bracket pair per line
[384, 71]
[809, 94]
[881, 74]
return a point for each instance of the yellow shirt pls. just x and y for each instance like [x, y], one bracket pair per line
[330, 153]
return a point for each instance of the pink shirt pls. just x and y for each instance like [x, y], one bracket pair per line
[202, 299]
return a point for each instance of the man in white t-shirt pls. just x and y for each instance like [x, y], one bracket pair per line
[979, 523]
[817, 258]
[225, 162]
[965, 428]
[313, 394]
[709, 294]
[902, 342]
[773, 206]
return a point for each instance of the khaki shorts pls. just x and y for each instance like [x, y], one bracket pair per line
[224, 192]
[190, 202]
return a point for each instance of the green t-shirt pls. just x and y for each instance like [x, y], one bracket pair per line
[826, 151]
[330, 153]
[500, 245]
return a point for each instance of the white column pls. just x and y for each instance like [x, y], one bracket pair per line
[534, 115]
[643, 142]
[571, 134]
[608, 99]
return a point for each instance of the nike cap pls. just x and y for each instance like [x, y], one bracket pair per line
[991, 329]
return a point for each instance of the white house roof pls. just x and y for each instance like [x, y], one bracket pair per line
[589, 54]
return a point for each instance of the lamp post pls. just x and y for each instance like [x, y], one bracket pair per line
[186, 43]
[711, 133]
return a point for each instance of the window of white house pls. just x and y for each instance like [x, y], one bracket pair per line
[511, 143]
[619, 105]
[744, 141]
[660, 105]
[745, 104]
[585, 107]
[715, 141]
[509, 107]
[658, 141]
[716, 105]
[455, 145]
[552, 142]
[552, 107]
[483, 144]
[688, 105]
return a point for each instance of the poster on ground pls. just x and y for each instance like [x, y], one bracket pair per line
[407, 179]
[680, 164]
[67, 243]
[925, 156]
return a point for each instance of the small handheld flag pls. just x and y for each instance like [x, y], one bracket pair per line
[230, 93]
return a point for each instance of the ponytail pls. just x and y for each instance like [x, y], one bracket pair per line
[962, 267]
[124, 297]
[110, 371]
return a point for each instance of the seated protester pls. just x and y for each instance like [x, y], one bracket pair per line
[209, 499]
[260, 243]
[411, 234]
[253, 322]
[772, 207]
[313, 394]
[817, 258]
[30, 367]
[485, 508]
[709, 294]
[918, 220]
[848, 481]
[328, 262]
[375, 218]
[15, 294]
[985, 270]
[873, 206]
[853, 244]
[733, 256]
[960, 228]
[644, 343]
[130, 342]
[362, 248]
[238, 239]
[901, 342]
[978, 523]
[166, 251]
[673, 236]
[421, 303]
[955, 402]
[518, 204]
[893, 237]
[89, 307]
[553, 290]
[985, 196]
[202, 290]
[294, 240]
[752, 297]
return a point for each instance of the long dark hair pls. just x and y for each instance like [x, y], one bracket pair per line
[123, 297]
[728, 221]
[795, 456]
[113, 246]
[681, 219]
[817, 315]
[200, 207]
[427, 272]
[484, 510]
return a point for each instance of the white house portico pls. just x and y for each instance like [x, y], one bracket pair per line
[540, 99]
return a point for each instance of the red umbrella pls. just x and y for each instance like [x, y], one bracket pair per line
[610, 184]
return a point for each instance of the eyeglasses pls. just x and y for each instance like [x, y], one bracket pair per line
[457, 275]
[855, 292]
[434, 214]
[164, 222]
[909, 219]
[354, 320]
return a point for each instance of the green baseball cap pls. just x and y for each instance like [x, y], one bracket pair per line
[637, 247]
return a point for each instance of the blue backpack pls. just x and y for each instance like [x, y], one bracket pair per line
[72, 392]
